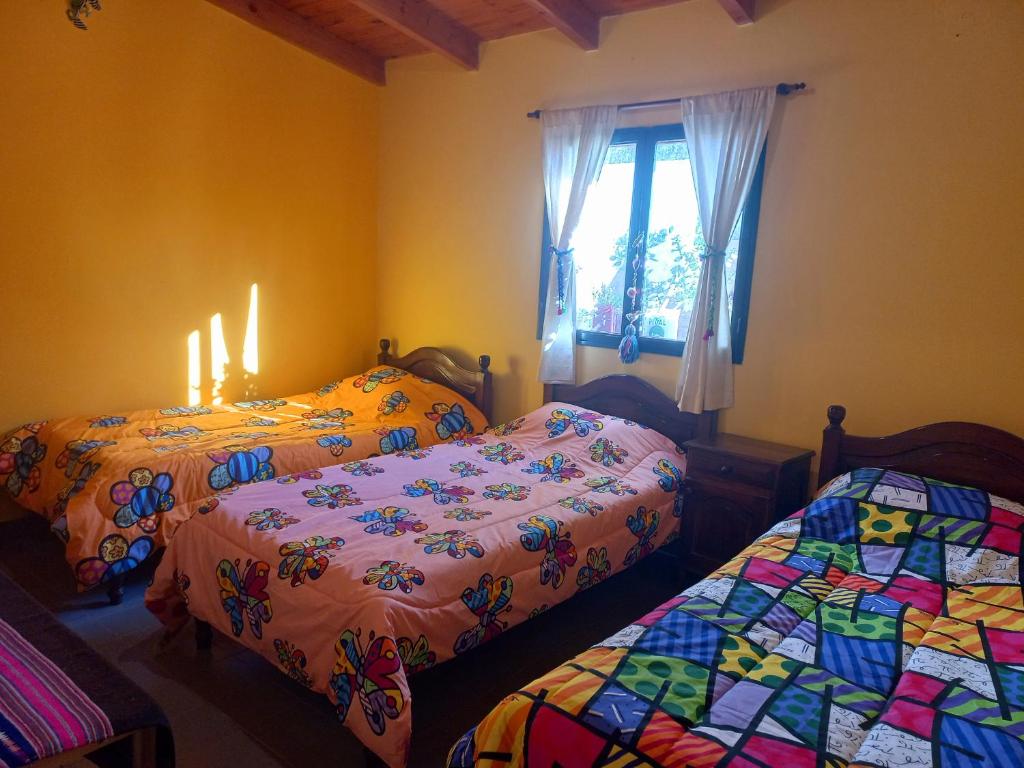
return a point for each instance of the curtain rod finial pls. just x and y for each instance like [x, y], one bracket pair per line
[784, 89]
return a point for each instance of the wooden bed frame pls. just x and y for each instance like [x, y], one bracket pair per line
[954, 451]
[431, 363]
[629, 397]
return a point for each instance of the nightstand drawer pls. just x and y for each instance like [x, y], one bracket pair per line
[718, 522]
[730, 468]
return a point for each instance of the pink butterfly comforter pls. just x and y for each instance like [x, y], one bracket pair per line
[353, 576]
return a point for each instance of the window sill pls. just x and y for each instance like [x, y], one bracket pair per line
[648, 345]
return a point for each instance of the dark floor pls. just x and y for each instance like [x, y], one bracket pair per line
[231, 707]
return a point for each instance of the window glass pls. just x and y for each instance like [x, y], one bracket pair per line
[600, 244]
[674, 245]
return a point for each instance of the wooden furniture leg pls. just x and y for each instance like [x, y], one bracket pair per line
[204, 636]
[115, 589]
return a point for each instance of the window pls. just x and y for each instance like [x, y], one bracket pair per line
[644, 204]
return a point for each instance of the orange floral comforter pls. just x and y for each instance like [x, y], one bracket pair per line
[114, 488]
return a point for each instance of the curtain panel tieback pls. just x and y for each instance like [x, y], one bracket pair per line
[713, 255]
[563, 263]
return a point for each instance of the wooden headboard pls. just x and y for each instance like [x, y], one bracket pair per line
[631, 398]
[954, 451]
[431, 363]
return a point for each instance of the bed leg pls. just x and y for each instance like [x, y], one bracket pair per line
[115, 589]
[204, 636]
[370, 759]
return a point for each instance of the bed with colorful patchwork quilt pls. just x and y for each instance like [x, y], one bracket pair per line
[115, 487]
[352, 577]
[881, 626]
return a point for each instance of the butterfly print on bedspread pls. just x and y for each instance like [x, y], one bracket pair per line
[466, 469]
[395, 402]
[331, 496]
[369, 677]
[370, 381]
[141, 498]
[293, 661]
[455, 544]
[309, 474]
[19, 464]
[554, 468]
[116, 556]
[236, 465]
[607, 453]
[582, 422]
[416, 655]
[491, 598]
[643, 525]
[391, 574]
[390, 521]
[542, 534]
[506, 492]
[450, 420]
[596, 570]
[270, 519]
[610, 485]
[398, 439]
[506, 429]
[441, 493]
[581, 506]
[244, 596]
[336, 444]
[504, 453]
[362, 468]
[309, 557]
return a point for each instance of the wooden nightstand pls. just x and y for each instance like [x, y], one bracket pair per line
[736, 488]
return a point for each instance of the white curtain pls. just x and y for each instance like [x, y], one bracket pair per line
[724, 133]
[575, 142]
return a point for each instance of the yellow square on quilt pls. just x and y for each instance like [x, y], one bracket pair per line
[885, 525]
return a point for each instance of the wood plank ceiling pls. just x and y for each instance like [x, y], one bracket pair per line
[361, 35]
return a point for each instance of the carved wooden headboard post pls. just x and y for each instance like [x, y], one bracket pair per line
[831, 445]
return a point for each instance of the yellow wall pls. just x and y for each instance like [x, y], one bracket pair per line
[151, 169]
[890, 267]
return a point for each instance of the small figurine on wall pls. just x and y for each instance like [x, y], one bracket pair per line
[80, 9]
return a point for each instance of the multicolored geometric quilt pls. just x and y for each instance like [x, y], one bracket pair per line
[115, 488]
[881, 626]
[351, 577]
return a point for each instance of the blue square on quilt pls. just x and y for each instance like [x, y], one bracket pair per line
[683, 636]
[958, 502]
[806, 563]
[871, 664]
[963, 744]
[831, 519]
[616, 709]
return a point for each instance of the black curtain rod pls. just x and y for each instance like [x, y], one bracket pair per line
[783, 89]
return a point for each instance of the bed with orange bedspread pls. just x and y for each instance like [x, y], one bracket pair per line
[115, 487]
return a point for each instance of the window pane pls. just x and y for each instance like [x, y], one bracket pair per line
[674, 245]
[600, 244]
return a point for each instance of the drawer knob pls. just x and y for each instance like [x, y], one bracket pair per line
[725, 469]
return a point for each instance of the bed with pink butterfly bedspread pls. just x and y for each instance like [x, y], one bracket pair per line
[352, 577]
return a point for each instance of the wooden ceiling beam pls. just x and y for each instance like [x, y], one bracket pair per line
[573, 19]
[293, 28]
[741, 11]
[426, 24]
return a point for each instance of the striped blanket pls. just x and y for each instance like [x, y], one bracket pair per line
[42, 712]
